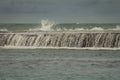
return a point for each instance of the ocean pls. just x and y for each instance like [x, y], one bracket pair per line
[69, 51]
[59, 64]
[28, 26]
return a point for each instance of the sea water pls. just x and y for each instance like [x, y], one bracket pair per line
[56, 26]
[59, 64]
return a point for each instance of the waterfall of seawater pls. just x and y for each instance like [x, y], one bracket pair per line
[61, 39]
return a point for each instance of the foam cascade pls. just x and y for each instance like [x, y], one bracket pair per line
[61, 39]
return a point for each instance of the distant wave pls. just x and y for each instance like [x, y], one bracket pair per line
[47, 25]
[76, 29]
[92, 29]
[45, 36]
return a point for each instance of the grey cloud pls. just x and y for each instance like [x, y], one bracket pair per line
[108, 8]
[61, 8]
[24, 6]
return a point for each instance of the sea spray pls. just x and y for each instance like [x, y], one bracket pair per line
[48, 25]
[46, 36]
[45, 25]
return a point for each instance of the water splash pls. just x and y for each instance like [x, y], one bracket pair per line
[117, 27]
[46, 25]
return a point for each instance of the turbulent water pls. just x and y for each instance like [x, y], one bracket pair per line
[59, 64]
[65, 26]
[61, 39]
[49, 34]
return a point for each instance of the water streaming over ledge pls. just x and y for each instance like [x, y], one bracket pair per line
[78, 39]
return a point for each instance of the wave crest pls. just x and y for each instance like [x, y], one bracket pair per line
[46, 25]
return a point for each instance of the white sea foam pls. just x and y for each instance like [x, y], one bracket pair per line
[85, 48]
[3, 30]
[97, 28]
[117, 27]
[92, 29]
[81, 29]
[46, 25]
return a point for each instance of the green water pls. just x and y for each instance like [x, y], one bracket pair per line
[19, 27]
[59, 64]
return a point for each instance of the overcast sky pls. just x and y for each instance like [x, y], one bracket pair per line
[83, 11]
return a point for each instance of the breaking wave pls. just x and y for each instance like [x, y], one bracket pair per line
[46, 25]
[49, 35]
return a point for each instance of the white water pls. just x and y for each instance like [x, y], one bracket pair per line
[80, 40]
[33, 47]
[92, 29]
[46, 25]
[3, 30]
